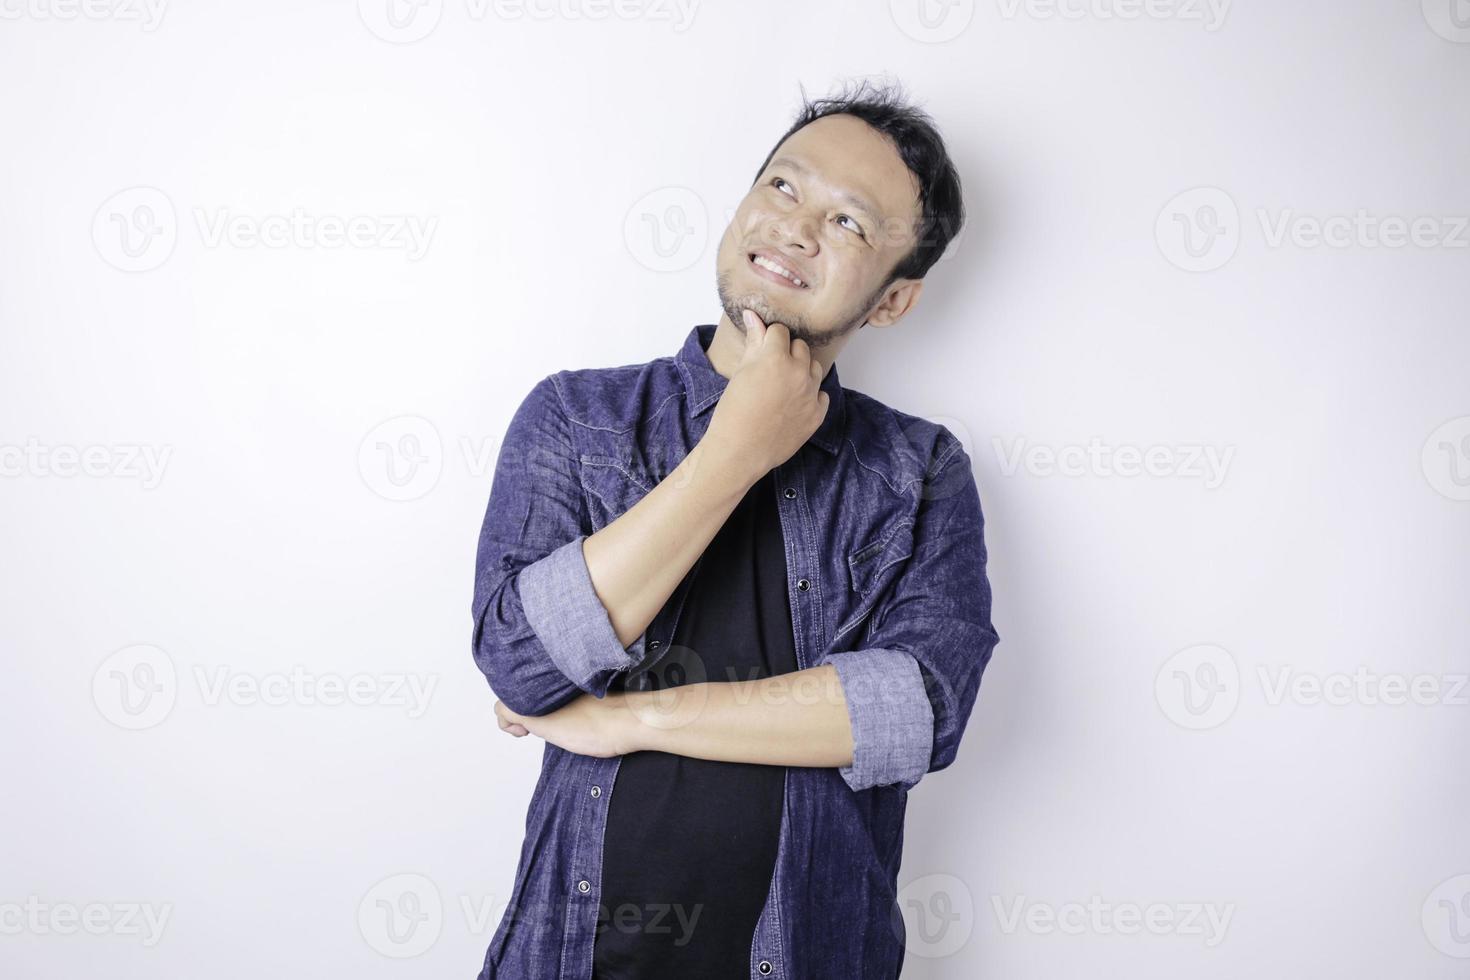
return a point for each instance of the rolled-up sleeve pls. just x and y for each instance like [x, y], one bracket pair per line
[911, 687]
[892, 721]
[541, 636]
[570, 621]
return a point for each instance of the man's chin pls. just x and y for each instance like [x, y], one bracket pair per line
[761, 304]
[762, 309]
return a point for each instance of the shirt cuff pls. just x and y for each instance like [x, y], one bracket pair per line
[892, 719]
[571, 622]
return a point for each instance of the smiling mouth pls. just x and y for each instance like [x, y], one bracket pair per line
[775, 272]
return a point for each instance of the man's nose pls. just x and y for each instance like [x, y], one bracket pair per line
[797, 229]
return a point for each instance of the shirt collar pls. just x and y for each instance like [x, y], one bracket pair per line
[704, 386]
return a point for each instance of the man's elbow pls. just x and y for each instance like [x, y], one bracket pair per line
[520, 681]
[891, 719]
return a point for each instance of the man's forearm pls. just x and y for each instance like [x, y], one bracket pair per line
[795, 719]
[637, 561]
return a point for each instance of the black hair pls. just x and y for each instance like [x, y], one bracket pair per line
[914, 134]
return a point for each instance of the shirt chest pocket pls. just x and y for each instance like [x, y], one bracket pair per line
[873, 567]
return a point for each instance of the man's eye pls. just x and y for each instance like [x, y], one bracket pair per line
[778, 180]
[855, 226]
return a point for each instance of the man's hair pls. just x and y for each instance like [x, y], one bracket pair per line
[917, 139]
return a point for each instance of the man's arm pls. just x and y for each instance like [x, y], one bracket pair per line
[795, 719]
[544, 632]
[887, 713]
[911, 688]
[555, 609]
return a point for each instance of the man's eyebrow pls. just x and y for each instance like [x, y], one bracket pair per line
[844, 195]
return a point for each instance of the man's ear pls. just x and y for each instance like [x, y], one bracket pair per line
[900, 297]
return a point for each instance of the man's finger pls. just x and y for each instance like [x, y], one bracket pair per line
[755, 330]
[502, 718]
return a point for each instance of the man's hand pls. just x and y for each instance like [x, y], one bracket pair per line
[773, 402]
[588, 725]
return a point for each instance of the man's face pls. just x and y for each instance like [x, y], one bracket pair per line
[837, 207]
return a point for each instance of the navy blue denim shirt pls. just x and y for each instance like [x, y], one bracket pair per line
[886, 558]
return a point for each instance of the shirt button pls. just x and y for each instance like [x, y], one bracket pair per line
[596, 792]
[803, 584]
[584, 886]
[765, 967]
[655, 644]
[790, 493]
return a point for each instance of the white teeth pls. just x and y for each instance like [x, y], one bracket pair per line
[766, 263]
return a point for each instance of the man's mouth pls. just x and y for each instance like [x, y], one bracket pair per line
[772, 269]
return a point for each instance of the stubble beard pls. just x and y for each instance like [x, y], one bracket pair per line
[799, 326]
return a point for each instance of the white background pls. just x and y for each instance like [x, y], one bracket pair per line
[1132, 745]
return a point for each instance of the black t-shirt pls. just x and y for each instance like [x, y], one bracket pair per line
[690, 846]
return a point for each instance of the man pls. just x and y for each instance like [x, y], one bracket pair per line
[745, 607]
